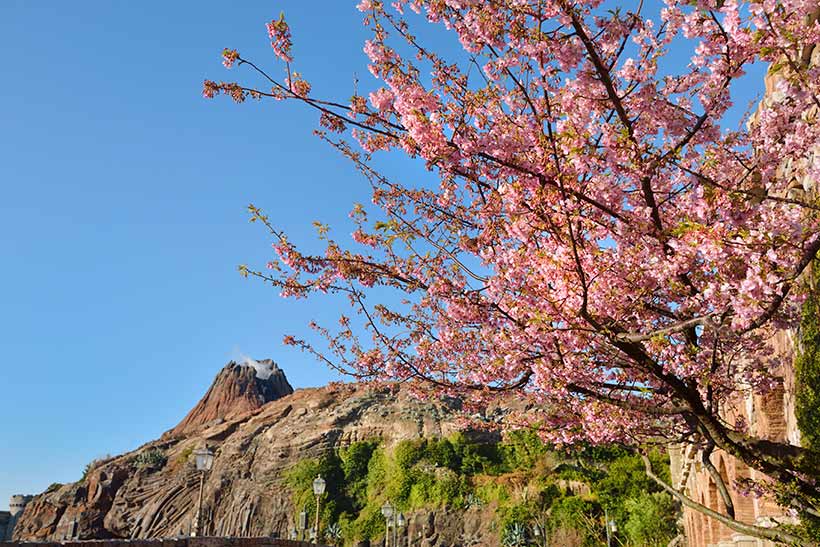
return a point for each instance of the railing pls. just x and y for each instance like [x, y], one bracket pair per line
[175, 542]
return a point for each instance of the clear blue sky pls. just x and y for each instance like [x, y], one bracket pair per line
[122, 214]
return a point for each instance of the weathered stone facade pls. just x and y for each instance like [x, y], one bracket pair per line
[769, 416]
[9, 518]
[5, 530]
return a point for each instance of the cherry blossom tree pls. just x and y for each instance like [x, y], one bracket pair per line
[597, 242]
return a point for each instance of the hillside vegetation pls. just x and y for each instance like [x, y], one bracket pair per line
[522, 483]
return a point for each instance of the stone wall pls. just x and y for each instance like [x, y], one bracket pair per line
[8, 519]
[5, 529]
[175, 542]
[767, 416]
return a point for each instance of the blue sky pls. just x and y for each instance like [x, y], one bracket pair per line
[122, 214]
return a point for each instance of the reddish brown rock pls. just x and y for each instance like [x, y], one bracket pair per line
[237, 390]
[253, 446]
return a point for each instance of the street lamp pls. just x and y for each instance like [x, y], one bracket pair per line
[302, 525]
[400, 522]
[319, 485]
[204, 459]
[387, 511]
[611, 528]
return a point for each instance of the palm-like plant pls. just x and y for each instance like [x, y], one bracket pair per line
[515, 535]
[334, 533]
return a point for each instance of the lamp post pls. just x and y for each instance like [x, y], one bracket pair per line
[387, 511]
[302, 525]
[611, 528]
[204, 459]
[319, 485]
[400, 522]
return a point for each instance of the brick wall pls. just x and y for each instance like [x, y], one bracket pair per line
[767, 417]
[179, 542]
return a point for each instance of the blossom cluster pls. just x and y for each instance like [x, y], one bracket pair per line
[596, 241]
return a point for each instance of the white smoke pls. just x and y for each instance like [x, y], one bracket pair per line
[264, 368]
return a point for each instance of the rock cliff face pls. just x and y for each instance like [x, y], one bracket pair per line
[270, 429]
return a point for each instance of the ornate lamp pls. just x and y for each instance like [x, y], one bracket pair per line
[400, 524]
[204, 460]
[319, 485]
[387, 512]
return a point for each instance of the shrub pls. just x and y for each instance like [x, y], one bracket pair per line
[460, 473]
[92, 465]
[514, 535]
[807, 371]
[152, 458]
[651, 519]
[185, 456]
[579, 514]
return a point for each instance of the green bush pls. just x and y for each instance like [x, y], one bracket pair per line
[807, 382]
[581, 515]
[92, 465]
[521, 450]
[152, 458]
[514, 535]
[807, 372]
[514, 478]
[651, 519]
[508, 515]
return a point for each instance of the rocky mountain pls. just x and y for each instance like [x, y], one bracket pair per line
[258, 427]
[237, 390]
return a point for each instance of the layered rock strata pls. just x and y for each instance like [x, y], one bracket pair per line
[244, 491]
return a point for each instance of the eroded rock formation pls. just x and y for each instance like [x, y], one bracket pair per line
[254, 442]
[237, 390]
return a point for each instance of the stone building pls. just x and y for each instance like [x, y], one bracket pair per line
[5, 534]
[769, 416]
[9, 518]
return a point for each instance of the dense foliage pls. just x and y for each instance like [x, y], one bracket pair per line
[807, 369]
[807, 383]
[520, 482]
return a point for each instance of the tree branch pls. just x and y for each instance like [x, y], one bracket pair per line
[757, 531]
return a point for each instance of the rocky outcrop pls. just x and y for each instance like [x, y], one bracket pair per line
[253, 445]
[237, 390]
